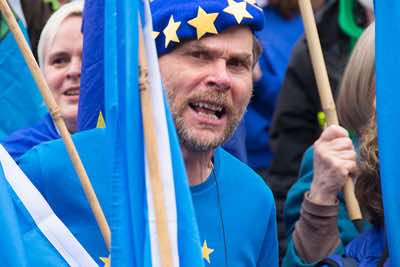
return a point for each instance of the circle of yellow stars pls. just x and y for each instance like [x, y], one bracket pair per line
[205, 22]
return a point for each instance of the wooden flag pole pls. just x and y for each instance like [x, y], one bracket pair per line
[325, 93]
[58, 120]
[150, 137]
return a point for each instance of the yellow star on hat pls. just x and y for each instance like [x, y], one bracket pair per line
[238, 10]
[206, 252]
[170, 31]
[204, 22]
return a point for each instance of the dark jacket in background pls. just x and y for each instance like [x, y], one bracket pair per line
[295, 125]
[36, 13]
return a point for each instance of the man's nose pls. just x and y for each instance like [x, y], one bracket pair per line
[219, 77]
[74, 69]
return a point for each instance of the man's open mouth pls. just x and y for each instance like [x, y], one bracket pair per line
[210, 110]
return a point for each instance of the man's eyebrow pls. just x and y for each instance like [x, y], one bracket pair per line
[212, 50]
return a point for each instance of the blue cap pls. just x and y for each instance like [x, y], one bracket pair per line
[176, 21]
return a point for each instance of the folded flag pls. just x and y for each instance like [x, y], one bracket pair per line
[135, 239]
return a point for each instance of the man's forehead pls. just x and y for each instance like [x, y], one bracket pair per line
[239, 41]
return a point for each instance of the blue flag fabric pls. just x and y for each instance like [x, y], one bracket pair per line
[134, 241]
[388, 112]
[20, 101]
[32, 235]
[91, 99]
[16, 251]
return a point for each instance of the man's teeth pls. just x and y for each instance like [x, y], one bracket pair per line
[209, 106]
[210, 116]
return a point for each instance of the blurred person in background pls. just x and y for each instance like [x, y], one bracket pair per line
[298, 119]
[285, 27]
[315, 213]
[60, 57]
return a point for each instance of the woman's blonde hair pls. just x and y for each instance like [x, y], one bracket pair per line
[49, 32]
[355, 102]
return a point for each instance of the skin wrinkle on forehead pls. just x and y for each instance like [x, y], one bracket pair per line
[217, 52]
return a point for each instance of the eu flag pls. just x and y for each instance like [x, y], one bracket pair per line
[388, 112]
[135, 237]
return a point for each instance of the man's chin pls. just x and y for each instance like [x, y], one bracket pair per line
[200, 144]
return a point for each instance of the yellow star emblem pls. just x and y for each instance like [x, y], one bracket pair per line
[100, 121]
[238, 10]
[204, 22]
[155, 34]
[106, 261]
[170, 31]
[206, 252]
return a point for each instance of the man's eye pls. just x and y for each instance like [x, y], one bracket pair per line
[200, 55]
[237, 63]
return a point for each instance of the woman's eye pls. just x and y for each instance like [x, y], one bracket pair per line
[60, 61]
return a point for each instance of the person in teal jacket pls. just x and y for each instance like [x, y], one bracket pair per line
[317, 228]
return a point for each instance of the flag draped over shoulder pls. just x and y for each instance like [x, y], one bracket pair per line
[388, 111]
[21, 104]
[134, 235]
[31, 234]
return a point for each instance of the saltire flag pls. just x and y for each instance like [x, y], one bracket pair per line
[21, 104]
[31, 234]
[388, 113]
[134, 236]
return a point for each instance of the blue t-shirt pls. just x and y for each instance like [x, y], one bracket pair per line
[245, 202]
[22, 140]
[235, 213]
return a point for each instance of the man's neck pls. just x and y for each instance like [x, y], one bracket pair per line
[198, 165]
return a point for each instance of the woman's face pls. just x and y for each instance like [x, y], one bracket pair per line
[62, 68]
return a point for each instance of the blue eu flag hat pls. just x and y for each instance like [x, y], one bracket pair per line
[176, 21]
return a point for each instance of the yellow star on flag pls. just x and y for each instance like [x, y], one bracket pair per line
[204, 22]
[206, 252]
[106, 261]
[155, 34]
[238, 10]
[170, 31]
[100, 121]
